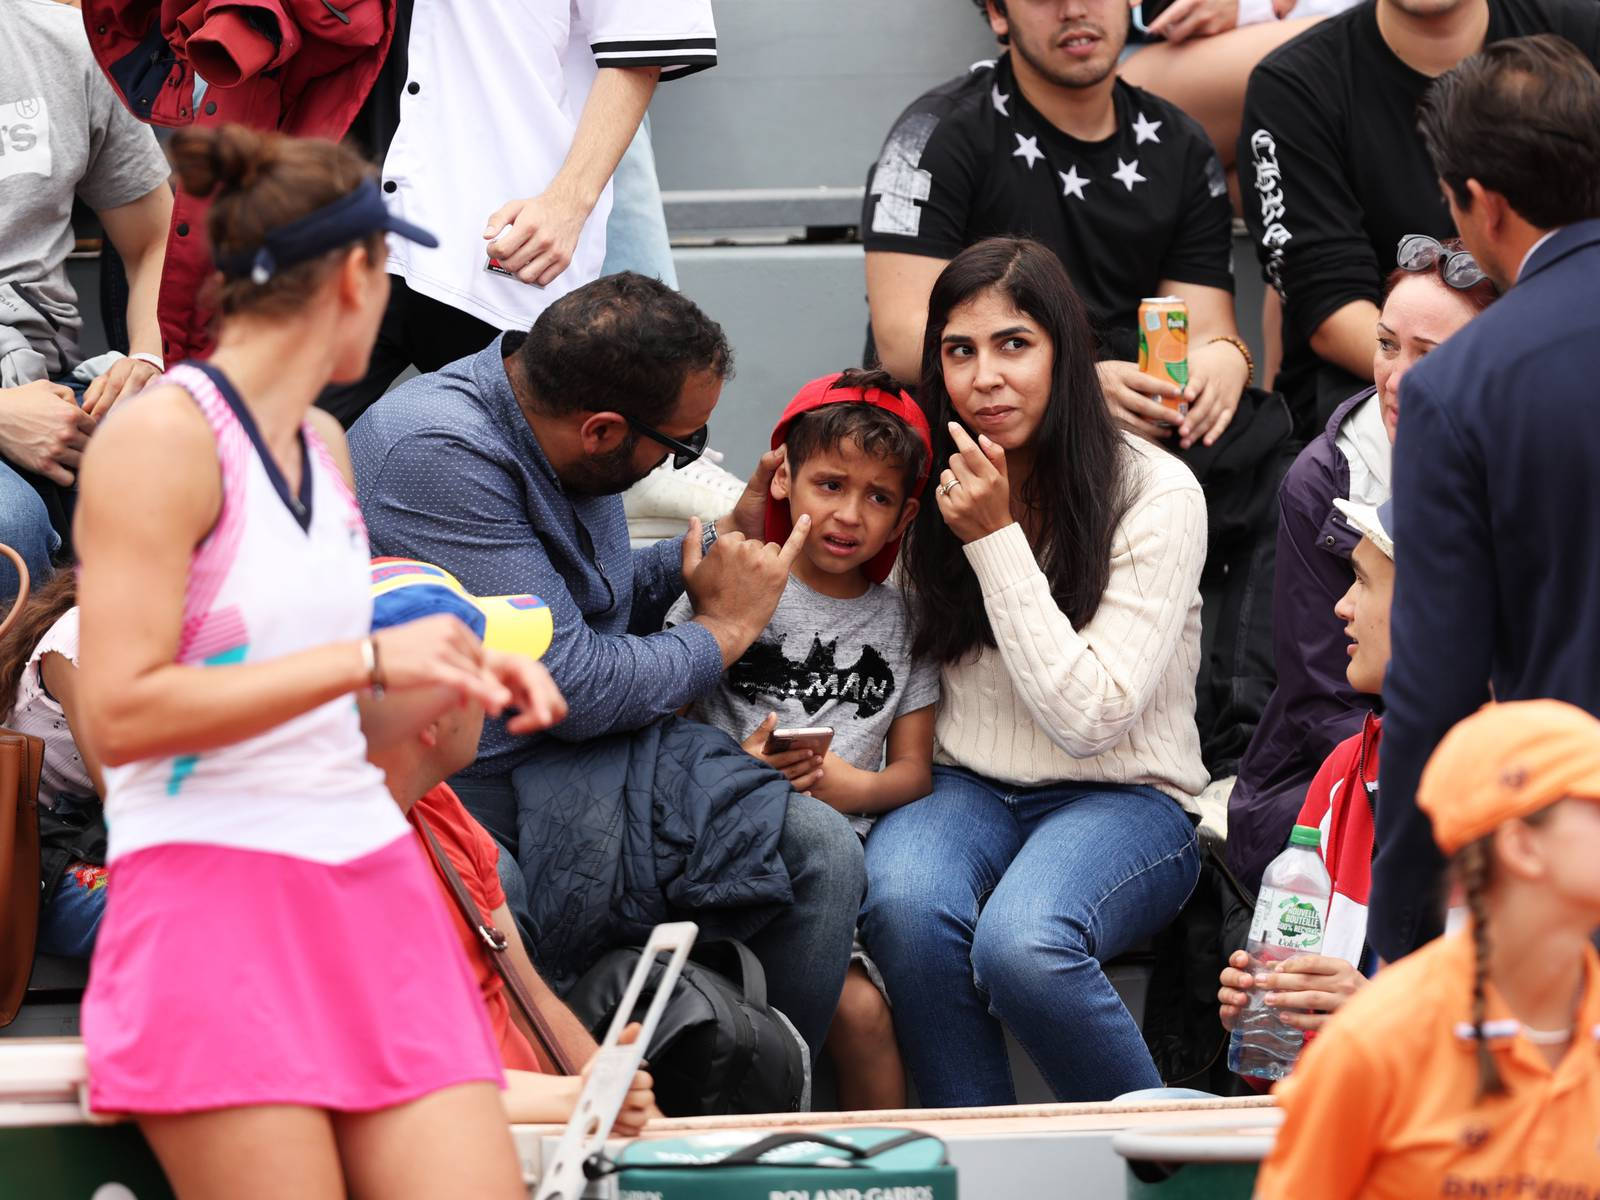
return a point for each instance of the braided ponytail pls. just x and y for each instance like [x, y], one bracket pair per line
[1473, 868]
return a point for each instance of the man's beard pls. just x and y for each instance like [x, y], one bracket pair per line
[605, 474]
[1081, 75]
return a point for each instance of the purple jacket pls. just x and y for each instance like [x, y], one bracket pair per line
[1313, 708]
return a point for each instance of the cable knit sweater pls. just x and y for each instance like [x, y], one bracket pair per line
[1114, 701]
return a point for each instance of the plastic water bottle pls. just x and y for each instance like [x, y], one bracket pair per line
[1291, 916]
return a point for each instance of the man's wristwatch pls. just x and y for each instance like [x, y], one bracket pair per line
[708, 536]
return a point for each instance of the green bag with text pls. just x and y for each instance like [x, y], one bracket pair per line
[855, 1163]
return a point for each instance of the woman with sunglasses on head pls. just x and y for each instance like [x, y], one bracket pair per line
[1434, 292]
[1055, 575]
[277, 997]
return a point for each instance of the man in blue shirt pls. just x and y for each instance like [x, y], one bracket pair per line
[1497, 461]
[506, 469]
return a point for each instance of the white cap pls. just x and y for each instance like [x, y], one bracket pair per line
[1372, 522]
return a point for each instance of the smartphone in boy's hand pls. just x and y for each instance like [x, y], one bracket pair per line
[815, 738]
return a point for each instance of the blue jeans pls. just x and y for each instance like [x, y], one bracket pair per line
[988, 904]
[25, 527]
[70, 918]
[636, 231]
[803, 948]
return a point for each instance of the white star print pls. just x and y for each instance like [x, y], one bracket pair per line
[1127, 173]
[1072, 184]
[999, 99]
[1027, 148]
[1144, 129]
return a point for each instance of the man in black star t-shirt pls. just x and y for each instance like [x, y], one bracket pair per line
[1047, 143]
[1334, 172]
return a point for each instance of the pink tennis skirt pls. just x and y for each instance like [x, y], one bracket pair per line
[223, 978]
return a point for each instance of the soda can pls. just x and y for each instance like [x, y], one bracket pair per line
[1164, 344]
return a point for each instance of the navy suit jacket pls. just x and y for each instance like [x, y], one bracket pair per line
[1497, 540]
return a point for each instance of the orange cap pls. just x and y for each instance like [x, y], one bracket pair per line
[1505, 761]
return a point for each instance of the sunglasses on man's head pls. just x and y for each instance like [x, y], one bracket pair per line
[1419, 252]
[683, 452]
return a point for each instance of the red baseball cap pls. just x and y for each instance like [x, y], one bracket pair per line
[820, 393]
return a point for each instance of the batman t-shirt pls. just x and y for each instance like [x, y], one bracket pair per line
[824, 661]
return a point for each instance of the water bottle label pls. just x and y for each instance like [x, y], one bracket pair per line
[1287, 919]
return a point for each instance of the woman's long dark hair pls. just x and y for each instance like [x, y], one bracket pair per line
[1078, 484]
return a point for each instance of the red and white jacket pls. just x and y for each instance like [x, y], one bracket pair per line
[298, 66]
[1340, 802]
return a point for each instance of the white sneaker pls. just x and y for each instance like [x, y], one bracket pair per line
[660, 505]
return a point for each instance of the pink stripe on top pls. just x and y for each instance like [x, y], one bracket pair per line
[215, 555]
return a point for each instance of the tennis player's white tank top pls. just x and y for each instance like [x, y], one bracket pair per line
[278, 573]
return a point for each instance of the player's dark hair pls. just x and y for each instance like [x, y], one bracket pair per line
[876, 431]
[1078, 487]
[624, 344]
[258, 181]
[1522, 117]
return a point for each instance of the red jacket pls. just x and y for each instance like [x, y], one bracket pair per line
[300, 66]
[1341, 802]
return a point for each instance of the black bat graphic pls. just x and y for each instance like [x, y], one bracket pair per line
[764, 675]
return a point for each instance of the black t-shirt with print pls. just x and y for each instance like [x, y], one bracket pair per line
[1334, 172]
[973, 159]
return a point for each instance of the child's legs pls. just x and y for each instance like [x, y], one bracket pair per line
[866, 1060]
[453, 1142]
[71, 917]
[266, 1152]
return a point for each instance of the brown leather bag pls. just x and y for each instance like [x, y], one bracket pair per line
[546, 1045]
[21, 758]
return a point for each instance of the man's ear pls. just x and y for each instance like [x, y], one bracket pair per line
[998, 19]
[428, 735]
[602, 432]
[781, 481]
[907, 515]
[1490, 207]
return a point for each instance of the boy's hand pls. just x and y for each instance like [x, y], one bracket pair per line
[1234, 994]
[802, 768]
[1309, 988]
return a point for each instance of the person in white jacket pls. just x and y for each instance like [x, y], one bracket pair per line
[1057, 581]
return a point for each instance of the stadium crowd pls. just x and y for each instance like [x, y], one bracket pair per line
[1008, 658]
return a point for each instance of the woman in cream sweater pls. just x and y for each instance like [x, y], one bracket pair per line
[1057, 581]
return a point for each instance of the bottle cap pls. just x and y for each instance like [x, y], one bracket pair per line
[1306, 835]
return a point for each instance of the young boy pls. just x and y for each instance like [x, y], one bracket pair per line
[1309, 988]
[837, 654]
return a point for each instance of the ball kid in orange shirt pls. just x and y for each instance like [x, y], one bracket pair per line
[1472, 1067]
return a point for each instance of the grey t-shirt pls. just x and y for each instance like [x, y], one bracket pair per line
[824, 661]
[62, 132]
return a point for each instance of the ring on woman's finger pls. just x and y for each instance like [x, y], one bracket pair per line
[945, 489]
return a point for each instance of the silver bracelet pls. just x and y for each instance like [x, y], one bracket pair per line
[369, 661]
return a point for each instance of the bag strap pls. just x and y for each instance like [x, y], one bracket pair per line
[752, 979]
[22, 588]
[491, 937]
[751, 1155]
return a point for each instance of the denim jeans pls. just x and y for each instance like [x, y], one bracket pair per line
[25, 527]
[804, 949]
[636, 231]
[988, 904]
[70, 917]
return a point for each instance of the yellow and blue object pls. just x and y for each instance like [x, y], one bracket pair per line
[405, 590]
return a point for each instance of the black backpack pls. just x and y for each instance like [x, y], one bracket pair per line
[719, 1048]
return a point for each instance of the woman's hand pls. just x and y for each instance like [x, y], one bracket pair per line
[1309, 988]
[438, 652]
[802, 768]
[535, 696]
[974, 492]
